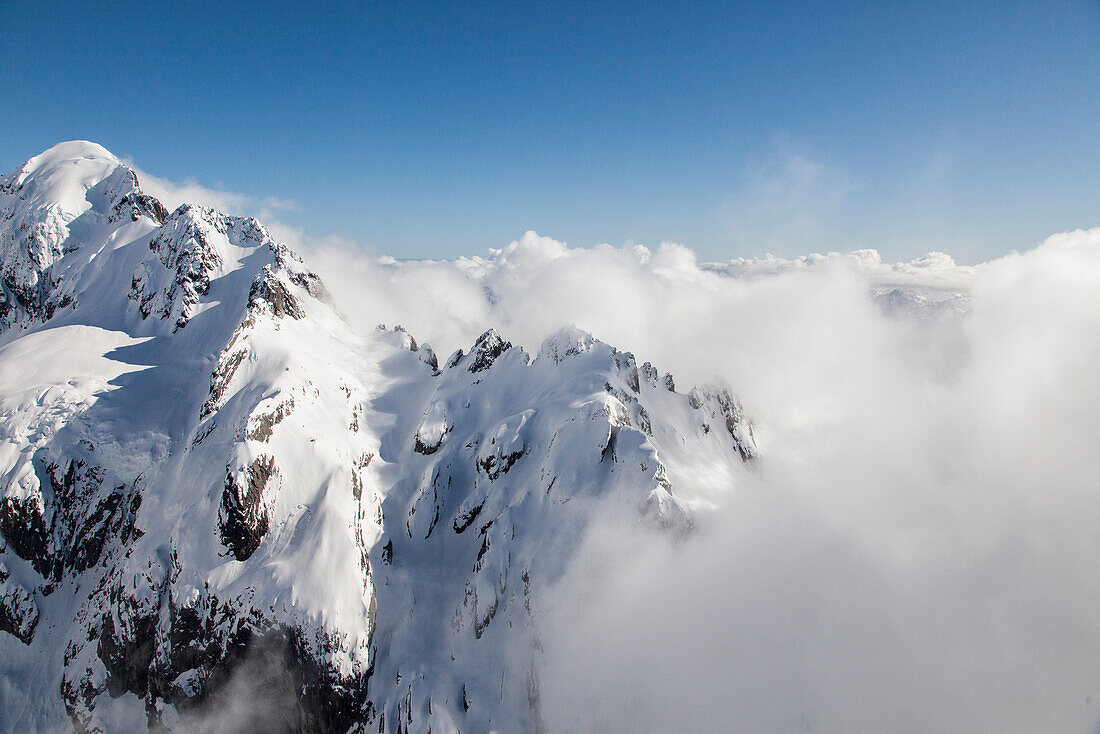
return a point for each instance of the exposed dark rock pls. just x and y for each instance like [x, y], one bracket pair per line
[113, 516]
[464, 519]
[292, 693]
[357, 474]
[243, 518]
[228, 362]
[267, 288]
[262, 425]
[566, 343]
[454, 359]
[661, 477]
[18, 609]
[482, 617]
[485, 543]
[225, 654]
[127, 658]
[136, 205]
[204, 432]
[23, 526]
[494, 465]
[182, 248]
[425, 448]
[485, 351]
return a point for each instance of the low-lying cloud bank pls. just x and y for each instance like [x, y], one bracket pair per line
[918, 549]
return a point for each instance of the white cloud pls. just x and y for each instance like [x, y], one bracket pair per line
[934, 270]
[917, 549]
[914, 554]
[172, 194]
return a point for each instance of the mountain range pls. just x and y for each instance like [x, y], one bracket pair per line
[222, 508]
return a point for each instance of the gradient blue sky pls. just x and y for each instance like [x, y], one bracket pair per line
[439, 129]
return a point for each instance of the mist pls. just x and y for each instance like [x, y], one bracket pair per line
[916, 550]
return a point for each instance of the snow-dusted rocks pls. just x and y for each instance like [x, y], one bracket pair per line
[18, 609]
[209, 479]
[192, 247]
[433, 429]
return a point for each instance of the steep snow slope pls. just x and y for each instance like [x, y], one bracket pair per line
[224, 510]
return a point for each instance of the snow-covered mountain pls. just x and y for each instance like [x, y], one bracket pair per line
[225, 510]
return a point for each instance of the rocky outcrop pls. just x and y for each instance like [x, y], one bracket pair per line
[18, 609]
[717, 405]
[212, 665]
[485, 351]
[243, 520]
[170, 285]
[269, 292]
[24, 528]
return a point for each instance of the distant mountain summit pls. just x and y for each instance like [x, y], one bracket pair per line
[223, 510]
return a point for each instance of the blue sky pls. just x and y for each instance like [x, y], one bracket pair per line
[434, 130]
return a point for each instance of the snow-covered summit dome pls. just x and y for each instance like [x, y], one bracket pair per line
[62, 176]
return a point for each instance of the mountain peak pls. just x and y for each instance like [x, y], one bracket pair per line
[74, 149]
[39, 202]
[486, 349]
[565, 342]
[62, 175]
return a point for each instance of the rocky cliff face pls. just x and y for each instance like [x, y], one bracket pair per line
[221, 509]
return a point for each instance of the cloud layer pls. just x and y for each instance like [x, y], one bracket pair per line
[172, 194]
[916, 551]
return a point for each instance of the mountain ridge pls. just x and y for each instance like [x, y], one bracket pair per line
[218, 482]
